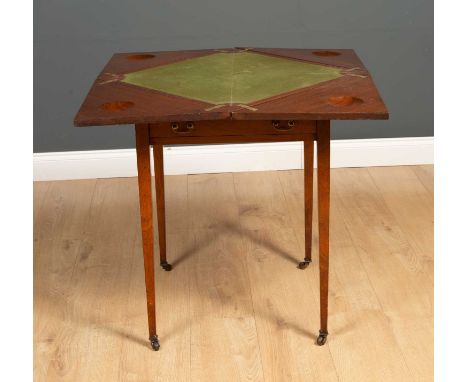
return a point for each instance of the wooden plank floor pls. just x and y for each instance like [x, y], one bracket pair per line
[235, 307]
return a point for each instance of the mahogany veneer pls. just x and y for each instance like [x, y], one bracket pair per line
[322, 84]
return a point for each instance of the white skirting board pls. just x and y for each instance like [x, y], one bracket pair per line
[233, 158]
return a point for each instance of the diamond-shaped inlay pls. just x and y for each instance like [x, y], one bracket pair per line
[232, 78]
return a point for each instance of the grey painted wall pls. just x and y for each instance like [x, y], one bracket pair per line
[73, 40]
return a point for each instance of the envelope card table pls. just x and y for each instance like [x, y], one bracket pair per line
[234, 95]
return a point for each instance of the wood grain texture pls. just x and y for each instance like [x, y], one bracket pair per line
[231, 127]
[391, 260]
[285, 299]
[315, 102]
[172, 363]
[39, 194]
[146, 215]
[235, 307]
[308, 194]
[355, 319]
[223, 325]
[111, 101]
[59, 243]
[323, 184]
[227, 139]
[158, 160]
[425, 174]
[98, 284]
[346, 58]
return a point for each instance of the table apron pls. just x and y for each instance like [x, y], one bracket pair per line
[231, 131]
[229, 139]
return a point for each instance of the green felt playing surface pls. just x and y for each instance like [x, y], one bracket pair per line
[229, 78]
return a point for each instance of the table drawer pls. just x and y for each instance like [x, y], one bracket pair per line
[231, 128]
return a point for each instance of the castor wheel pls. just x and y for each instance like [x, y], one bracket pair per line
[304, 264]
[322, 338]
[155, 343]
[166, 266]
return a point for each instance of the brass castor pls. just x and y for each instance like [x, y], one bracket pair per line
[304, 264]
[155, 343]
[322, 338]
[166, 266]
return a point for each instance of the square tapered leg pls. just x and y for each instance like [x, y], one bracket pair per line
[146, 214]
[323, 162]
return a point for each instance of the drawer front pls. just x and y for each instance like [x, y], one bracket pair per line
[230, 128]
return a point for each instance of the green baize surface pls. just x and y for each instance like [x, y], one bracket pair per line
[229, 78]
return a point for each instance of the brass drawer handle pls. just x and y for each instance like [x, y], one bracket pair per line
[283, 127]
[182, 129]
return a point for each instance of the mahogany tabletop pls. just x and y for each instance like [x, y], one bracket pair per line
[237, 83]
